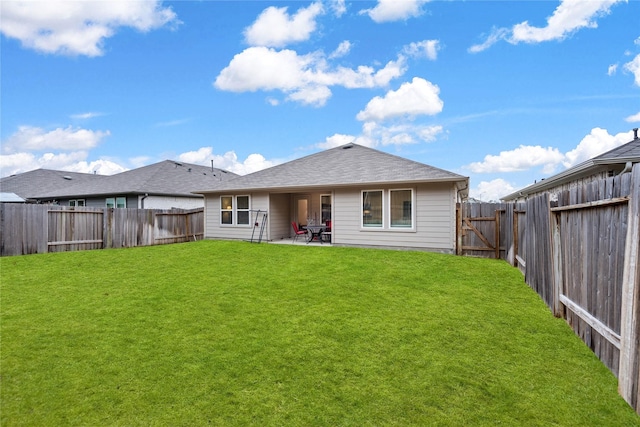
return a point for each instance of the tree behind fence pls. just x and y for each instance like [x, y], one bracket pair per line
[30, 229]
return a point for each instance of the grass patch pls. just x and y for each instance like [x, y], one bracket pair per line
[233, 333]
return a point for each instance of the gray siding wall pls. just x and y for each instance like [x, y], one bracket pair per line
[434, 228]
[214, 230]
[279, 216]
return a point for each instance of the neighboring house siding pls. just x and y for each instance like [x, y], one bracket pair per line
[168, 202]
[434, 228]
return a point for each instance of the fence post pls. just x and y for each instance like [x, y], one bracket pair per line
[556, 264]
[497, 250]
[459, 228]
[629, 374]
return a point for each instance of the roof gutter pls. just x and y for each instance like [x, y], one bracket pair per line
[303, 187]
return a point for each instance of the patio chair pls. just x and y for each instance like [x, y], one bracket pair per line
[297, 231]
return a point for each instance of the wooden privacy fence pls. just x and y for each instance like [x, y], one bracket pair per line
[580, 254]
[29, 229]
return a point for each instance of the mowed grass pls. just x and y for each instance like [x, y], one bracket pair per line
[234, 333]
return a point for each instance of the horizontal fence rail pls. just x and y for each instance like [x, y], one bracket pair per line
[30, 229]
[580, 254]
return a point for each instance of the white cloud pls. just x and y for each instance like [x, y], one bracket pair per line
[338, 7]
[100, 167]
[394, 10]
[29, 138]
[171, 123]
[519, 159]
[526, 156]
[85, 116]
[612, 69]
[304, 78]
[634, 68]
[276, 28]
[635, 118]
[73, 161]
[597, 142]
[78, 27]
[569, 17]
[342, 50]
[426, 48]
[491, 191]
[420, 97]
[227, 161]
[375, 135]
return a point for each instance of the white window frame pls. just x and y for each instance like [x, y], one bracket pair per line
[247, 210]
[114, 202]
[386, 211]
[78, 203]
[233, 210]
[413, 210]
[362, 210]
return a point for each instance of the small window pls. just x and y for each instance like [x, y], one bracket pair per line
[401, 208]
[116, 202]
[226, 210]
[372, 208]
[76, 202]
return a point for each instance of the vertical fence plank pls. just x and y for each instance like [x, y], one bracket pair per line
[29, 228]
[629, 375]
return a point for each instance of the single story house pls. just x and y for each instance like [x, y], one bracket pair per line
[164, 185]
[372, 199]
[613, 162]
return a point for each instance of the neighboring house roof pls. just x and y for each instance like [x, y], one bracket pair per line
[168, 178]
[28, 184]
[10, 198]
[629, 152]
[341, 166]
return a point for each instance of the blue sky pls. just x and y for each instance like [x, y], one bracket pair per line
[505, 92]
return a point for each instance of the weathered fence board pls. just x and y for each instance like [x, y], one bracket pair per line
[591, 239]
[629, 375]
[580, 254]
[30, 229]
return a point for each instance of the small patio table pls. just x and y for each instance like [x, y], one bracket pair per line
[315, 232]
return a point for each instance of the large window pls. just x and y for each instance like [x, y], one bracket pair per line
[234, 210]
[396, 205]
[116, 202]
[401, 208]
[372, 208]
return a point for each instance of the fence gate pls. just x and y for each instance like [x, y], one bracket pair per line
[479, 229]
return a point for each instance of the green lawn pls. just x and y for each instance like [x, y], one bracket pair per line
[234, 333]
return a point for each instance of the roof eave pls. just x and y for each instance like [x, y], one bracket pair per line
[297, 188]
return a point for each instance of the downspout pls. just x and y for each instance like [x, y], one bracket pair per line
[142, 200]
[627, 168]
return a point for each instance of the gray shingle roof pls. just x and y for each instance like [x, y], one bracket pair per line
[164, 178]
[622, 154]
[341, 166]
[38, 181]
